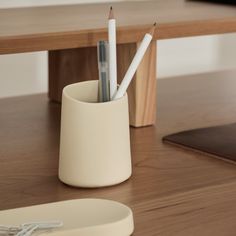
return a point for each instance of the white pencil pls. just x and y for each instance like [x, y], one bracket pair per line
[135, 63]
[112, 53]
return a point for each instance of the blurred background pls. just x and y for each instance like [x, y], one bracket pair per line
[27, 73]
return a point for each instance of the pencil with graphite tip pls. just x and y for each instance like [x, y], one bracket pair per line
[112, 53]
[135, 63]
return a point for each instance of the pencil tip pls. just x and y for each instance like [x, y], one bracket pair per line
[152, 30]
[111, 14]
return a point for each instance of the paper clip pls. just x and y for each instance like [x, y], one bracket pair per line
[44, 224]
[27, 229]
[9, 230]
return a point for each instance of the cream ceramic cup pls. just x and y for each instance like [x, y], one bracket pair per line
[95, 139]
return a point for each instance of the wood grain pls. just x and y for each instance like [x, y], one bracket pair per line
[73, 65]
[74, 26]
[171, 191]
[70, 66]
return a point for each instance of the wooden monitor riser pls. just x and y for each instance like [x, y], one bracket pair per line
[70, 34]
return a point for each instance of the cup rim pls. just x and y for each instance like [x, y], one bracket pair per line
[65, 93]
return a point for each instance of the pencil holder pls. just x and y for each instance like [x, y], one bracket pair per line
[95, 139]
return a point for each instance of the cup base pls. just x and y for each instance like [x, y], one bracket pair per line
[97, 185]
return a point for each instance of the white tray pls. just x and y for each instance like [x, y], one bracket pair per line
[82, 217]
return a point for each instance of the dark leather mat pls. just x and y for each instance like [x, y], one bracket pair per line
[219, 141]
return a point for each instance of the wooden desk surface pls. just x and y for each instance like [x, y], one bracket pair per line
[59, 27]
[172, 192]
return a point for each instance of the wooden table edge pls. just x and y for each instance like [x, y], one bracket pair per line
[128, 34]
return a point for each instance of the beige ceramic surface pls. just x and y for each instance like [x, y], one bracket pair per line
[95, 139]
[83, 217]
